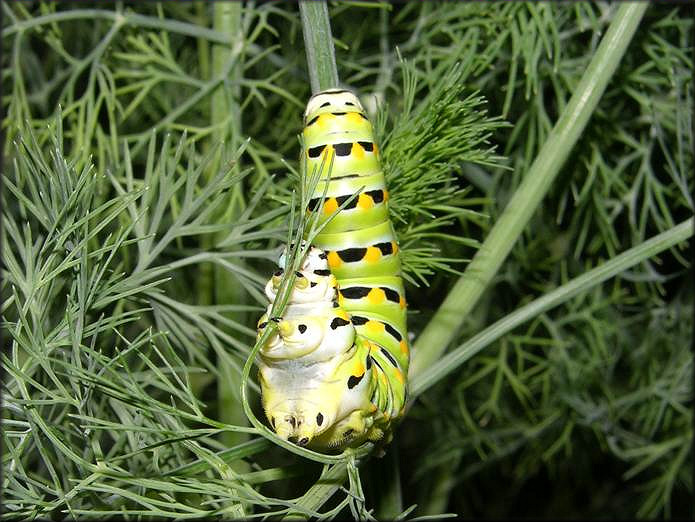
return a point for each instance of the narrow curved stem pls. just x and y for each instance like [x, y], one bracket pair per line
[583, 283]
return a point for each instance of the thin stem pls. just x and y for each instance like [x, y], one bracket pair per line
[583, 283]
[446, 322]
[320, 53]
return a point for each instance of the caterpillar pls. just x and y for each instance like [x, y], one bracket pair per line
[334, 373]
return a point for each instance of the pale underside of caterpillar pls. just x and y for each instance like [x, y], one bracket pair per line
[334, 374]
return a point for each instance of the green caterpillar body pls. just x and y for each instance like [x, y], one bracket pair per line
[352, 376]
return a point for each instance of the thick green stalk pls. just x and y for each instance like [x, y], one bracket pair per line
[317, 495]
[320, 54]
[435, 499]
[387, 487]
[227, 19]
[564, 293]
[444, 326]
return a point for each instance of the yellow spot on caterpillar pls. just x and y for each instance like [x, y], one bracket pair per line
[365, 202]
[323, 120]
[333, 260]
[399, 376]
[357, 151]
[359, 369]
[375, 326]
[372, 408]
[376, 296]
[353, 118]
[395, 247]
[402, 303]
[373, 254]
[383, 378]
[341, 300]
[343, 315]
[376, 149]
[286, 328]
[404, 347]
[330, 205]
[386, 195]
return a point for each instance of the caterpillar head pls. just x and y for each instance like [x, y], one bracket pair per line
[332, 100]
[315, 337]
[295, 338]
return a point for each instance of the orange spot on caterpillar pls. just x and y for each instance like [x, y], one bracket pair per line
[402, 303]
[386, 195]
[404, 347]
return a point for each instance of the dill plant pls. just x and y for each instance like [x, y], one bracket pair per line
[145, 195]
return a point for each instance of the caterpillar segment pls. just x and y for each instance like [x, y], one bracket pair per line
[334, 374]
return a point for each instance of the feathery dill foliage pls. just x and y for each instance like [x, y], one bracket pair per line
[423, 155]
[101, 351]
[135, 248]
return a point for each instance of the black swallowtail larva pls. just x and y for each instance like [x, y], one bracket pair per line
[334, 374]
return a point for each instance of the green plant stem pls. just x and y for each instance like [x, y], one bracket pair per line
[320, 53]
[443, 479]
[583, 283]
[317, 495]
[219, 284]
[444, 325]
[388, 484]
